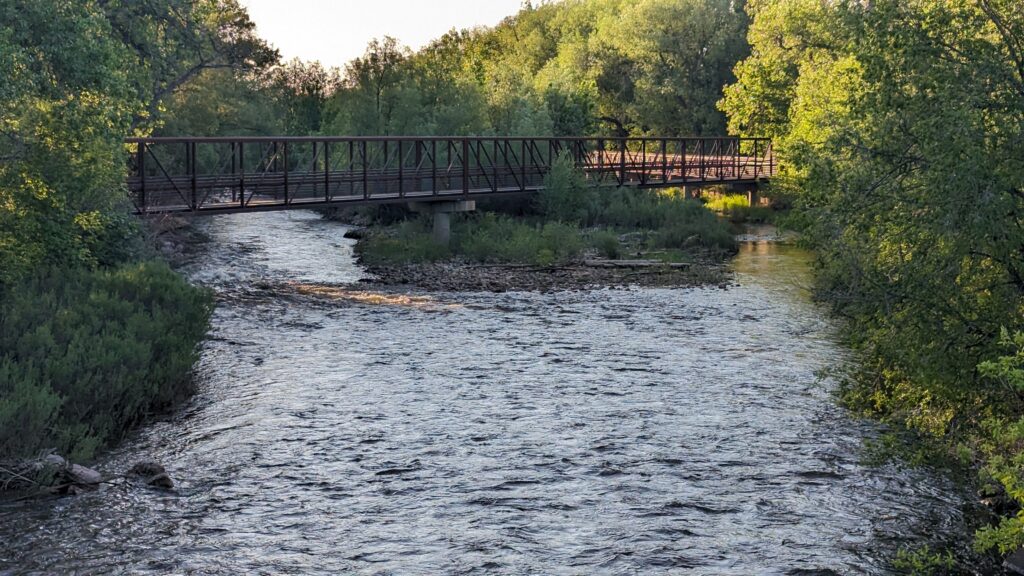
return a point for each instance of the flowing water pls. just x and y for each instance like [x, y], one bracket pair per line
[642, 431]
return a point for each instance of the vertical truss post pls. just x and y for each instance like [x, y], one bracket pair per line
[622, 162]
[284, 160]
[682, 169]
[643, 161]
[241, 173]
[465, 167]
[234, 161]
[522, 164]
[366, 167]
[736, 158]
[700, 166]
[192, 170]
[665, 160]
[142, 176]
[384, 167]
[327, 171]
[401, 172]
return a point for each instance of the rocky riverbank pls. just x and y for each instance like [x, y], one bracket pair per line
[455, 276]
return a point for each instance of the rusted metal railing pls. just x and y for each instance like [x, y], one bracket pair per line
[232, 174]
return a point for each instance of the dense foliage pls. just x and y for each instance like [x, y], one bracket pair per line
[900, 124]
[84, 355]
[576, 67]
[97, 340]
[563, 223]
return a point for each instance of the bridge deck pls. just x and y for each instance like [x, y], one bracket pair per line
[252, 174]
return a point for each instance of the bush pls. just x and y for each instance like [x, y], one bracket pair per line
[607, 244]
[491, 237]
[408, 241]
[554, 234]
[566, 196]
[737, 208]
[689, 225]
[924, 562]
[87, 354]
[484, 237]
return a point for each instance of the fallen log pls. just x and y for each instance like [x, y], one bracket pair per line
[635, 264]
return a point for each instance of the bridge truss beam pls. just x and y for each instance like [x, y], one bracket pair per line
[228, 174]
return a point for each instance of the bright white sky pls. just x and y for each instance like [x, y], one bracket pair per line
[336, 31]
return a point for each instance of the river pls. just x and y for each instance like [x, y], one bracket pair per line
[641, 431]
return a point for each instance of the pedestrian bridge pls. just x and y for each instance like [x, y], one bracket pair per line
[241, 174]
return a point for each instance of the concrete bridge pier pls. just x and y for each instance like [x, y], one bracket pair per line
[441, 212]
[752, 190]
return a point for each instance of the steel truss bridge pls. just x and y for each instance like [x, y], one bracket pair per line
[242, 174]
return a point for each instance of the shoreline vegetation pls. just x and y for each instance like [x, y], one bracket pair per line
[569, 236]
[898, 127]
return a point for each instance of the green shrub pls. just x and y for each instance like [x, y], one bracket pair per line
[408, 241]
[687, 225]
[84, 355]
[736, 208]
[492, 237]
[1003, 449]
[607, 244]
[566, 196]
[923, 562]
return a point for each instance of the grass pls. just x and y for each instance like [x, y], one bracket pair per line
[737, 209]
[483, 237]
[679, 232]
[566, 222]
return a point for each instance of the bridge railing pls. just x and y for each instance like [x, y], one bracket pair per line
[226, 174]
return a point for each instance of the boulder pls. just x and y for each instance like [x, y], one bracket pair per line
[161, 481]
[54, 461]
[147, 468]
[77, 474]
[152, 473]
[1015, 562]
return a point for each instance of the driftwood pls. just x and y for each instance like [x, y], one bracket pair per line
[636, 264]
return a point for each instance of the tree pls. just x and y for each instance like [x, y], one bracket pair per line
[174, 41]
[302, 90]
[66, 102]
[899, 126]
[677, 56]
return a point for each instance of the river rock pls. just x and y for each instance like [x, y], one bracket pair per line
[355, 234]
[152, 473]
[54, 461]
[161, 481]
[77, 474]
[1015, 562]
[147, 468]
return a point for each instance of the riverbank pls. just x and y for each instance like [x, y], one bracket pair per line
[88, 354]
[454, 276]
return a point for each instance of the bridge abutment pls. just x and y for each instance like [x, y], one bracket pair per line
[441, 212]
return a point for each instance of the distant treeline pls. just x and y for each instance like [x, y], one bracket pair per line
[579, 67]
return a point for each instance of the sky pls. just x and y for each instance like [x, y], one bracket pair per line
[336, 31]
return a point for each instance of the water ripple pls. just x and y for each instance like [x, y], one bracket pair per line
[651, 431]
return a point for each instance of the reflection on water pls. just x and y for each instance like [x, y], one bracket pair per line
[611, 431]
[347, 294]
